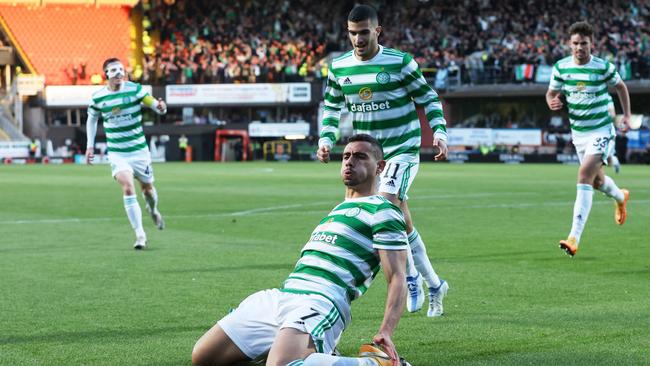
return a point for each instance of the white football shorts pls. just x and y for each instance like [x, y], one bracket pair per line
[254, 325]
[597, 142]
[397, 178]
[138, 164]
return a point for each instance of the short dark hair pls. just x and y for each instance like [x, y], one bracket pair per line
[363, 12]
[109, 61]
[377, 150]
[582, 28]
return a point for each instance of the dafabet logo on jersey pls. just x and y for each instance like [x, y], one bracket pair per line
[369, 107]
[365, 93]
[324, 237]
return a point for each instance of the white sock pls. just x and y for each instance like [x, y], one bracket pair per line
[411, 271]
[134, 214]
[581, 208]
[611, 190]
[152, 200]
[421, 260]
[320, 359]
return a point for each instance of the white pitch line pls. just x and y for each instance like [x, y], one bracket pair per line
[476, 195]
[55, 221]
[252, 211]
[259, 210]
[530, 204]
[272, 209]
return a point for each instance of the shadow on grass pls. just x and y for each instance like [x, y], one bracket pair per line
[628, 272]
[96, 335]
[492, 256]
[267, 266]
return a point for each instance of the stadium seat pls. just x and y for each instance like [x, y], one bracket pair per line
[57, 38]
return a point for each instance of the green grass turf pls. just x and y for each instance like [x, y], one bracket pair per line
[74, 292]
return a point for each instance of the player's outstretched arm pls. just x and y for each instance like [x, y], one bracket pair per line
[393, 263]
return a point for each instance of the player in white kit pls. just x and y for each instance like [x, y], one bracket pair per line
[301, 322]
[119, 104]
[583, 79]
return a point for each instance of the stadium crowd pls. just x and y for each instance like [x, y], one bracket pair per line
[481, 41]
[245, 41]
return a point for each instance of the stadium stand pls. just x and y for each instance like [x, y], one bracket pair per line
[252, 41]
[8, 129]
[487, 42]
[202, 41]
[67, 43]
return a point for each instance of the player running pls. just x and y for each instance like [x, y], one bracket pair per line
[119, 104]
[583, 80]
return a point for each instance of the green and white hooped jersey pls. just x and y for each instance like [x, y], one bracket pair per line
[585, 89]
[340, 259]
[121, 112]
[381, 94]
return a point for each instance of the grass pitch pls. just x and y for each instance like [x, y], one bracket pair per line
[74, 292]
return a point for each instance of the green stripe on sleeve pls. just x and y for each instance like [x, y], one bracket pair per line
[329, 135]
[390, 225]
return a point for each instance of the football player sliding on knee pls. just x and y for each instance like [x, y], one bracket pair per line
[119, 104]
[301, 322]
[382, 87]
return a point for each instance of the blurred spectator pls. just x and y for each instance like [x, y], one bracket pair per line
[280, 40]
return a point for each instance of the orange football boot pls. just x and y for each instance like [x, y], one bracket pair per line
[570, 246]
[376, 353]
[621, 208]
